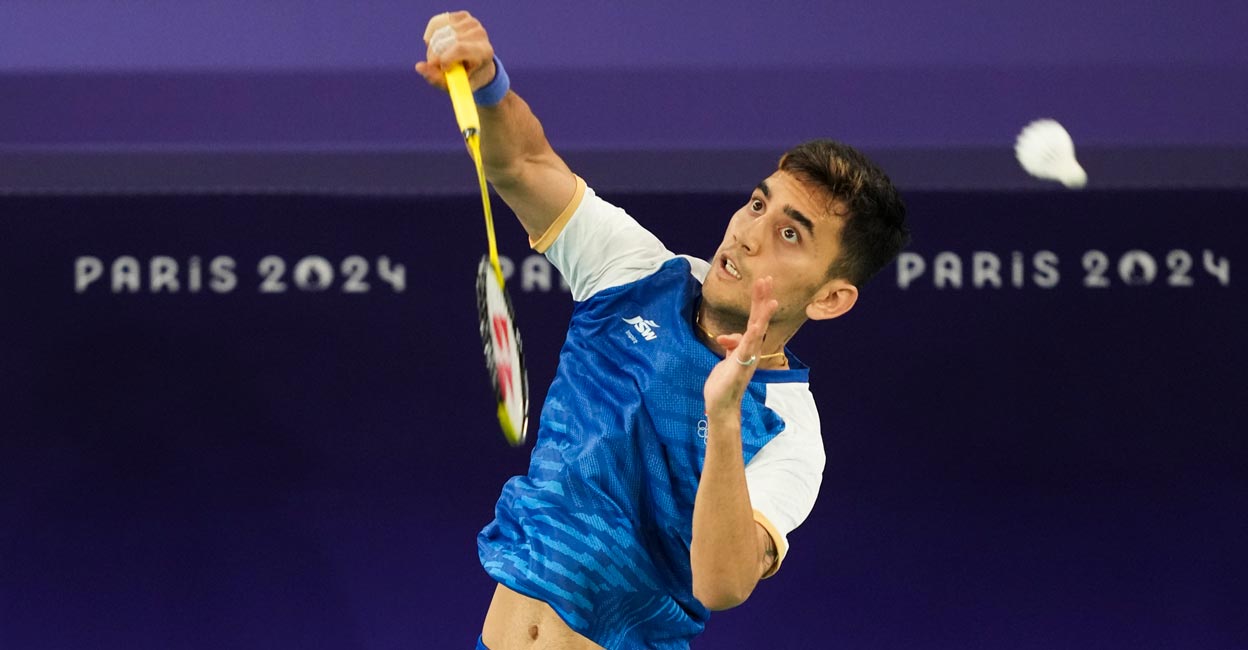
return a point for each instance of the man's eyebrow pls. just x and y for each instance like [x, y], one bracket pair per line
[801, 218]
[793, 213]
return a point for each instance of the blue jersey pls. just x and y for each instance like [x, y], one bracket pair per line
[600, 527]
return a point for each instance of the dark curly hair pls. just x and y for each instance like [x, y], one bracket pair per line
[875, 228]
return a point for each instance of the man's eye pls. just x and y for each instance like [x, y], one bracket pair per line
[756, 205]
[789, 234]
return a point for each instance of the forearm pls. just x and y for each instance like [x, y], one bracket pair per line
[511, 136]
[517, 158]
[521, 165]
[725, 544]
[729, 552]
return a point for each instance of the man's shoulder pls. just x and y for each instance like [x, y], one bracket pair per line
[677, 276]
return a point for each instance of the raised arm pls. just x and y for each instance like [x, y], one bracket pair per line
[730, 551]
[519, 162]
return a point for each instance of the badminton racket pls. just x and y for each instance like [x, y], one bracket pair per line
[500, 340]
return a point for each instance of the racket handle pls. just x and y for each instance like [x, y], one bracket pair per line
[462, 101]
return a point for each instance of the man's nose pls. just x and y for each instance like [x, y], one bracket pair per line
[749, 236]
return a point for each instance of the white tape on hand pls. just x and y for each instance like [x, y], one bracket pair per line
[443, 38]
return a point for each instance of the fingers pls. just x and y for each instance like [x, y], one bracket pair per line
[762, 305]
[432, 73]
[456, 37]
[728, 380]
[438, 21]
[442, 39]
[762, 308]
[729, 342]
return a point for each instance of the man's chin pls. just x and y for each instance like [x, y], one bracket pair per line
[726, 308]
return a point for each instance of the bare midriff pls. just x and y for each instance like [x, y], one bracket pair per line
[517, 622]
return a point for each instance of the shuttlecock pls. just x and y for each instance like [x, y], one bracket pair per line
[1045, 150]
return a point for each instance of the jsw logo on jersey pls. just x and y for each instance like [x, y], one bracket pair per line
[643, 326]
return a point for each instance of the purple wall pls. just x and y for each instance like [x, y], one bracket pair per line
[1154, 96]
[283, 34]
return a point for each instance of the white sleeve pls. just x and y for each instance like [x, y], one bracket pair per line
[784, 476]
[596, 245]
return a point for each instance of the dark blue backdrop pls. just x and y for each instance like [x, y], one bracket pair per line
[1037, 465]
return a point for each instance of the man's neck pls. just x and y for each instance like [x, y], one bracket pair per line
[772, 356]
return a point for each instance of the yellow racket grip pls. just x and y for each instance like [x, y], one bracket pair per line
[462, 101]
[470, 125]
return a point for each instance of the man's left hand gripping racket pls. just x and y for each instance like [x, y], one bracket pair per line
[504, 355]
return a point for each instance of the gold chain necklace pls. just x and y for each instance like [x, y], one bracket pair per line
[697, 320]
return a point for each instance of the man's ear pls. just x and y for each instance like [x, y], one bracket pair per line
[833, 299]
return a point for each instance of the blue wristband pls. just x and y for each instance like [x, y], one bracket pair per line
[492, 94]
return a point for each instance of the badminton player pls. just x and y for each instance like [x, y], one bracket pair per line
[679, 444]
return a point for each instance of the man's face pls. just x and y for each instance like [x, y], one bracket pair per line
[784, 230]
